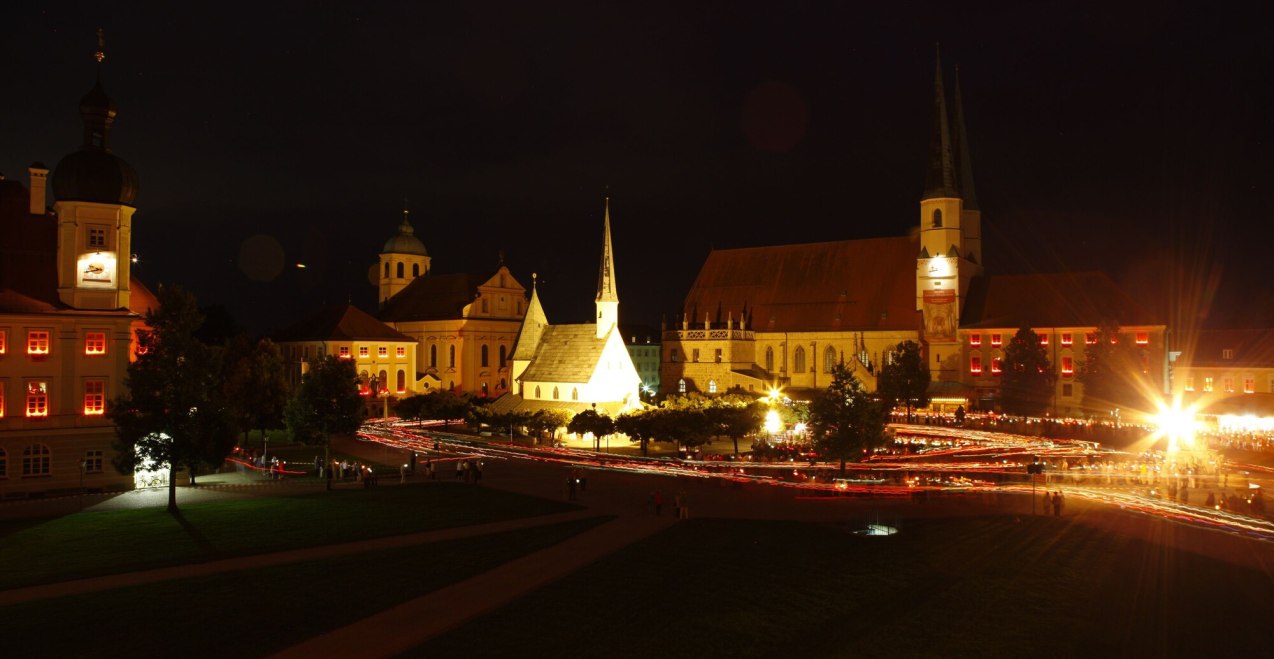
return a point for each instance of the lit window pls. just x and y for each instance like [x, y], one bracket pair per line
[1, 405]
[574, 393]
[93, 462]
[996, 366]
[38, 343]
[681, 386]
[1067, 338]
[382, 351]
[1143, 338]
[996, 340]
[718, 355]
[402, 380]
[343, 352]
[1090, 338]
[556, 395]
[537, 391]
[1190, 383]
[1227, 353]
[4, 343]
[1229, 385]
[1043, 339]
[400, 351]
[37, 399]
[695, 358]
[35, 460]
[95, 343]
[1114, 339]
[364, 352]
[97, 236]
[1207, 384]
[1068, 366]
[1249, 385]
[975, 339]
[672, 355]
[94, 397]
[975, 365]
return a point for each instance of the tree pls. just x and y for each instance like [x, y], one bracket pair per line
[546, 421]
[590, 421]
[1110, 372]
[845, 420]
[256, 387]
[174, 413]
[904, 378]
[327, 402]
[737, 420]
[1026, 383]
[638, 425]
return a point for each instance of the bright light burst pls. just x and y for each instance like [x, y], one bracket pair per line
[1177, 424]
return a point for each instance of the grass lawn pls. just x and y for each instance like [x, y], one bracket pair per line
[942, 587]
[91, 544]
[257, 612]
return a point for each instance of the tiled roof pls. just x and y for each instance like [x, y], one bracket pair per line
[845, 285]
[28, 252]
[433, 297]
[12, 301]
[1073, 299]
[341, 322]
[1252, 348]
[566, 353]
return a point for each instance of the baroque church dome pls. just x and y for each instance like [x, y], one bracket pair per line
[405, 242]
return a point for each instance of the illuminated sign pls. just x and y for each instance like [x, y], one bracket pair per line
[96, 270]
[938, 267]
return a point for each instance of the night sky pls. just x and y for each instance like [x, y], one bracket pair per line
[1134, 139]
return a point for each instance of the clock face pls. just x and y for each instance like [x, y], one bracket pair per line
[96, 270]
[938, 267]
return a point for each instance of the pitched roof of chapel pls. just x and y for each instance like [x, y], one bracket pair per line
[1057, 299]
[341, 322]
[566, 353]
[843, 285]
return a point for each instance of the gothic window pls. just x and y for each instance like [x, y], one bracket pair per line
[485, 356]
[769, 359]
[798, 360]
[575, 393]
[537, 391]
[829, 359]
[433, 356]
[556, 395]
[937, 218]
[399, 269]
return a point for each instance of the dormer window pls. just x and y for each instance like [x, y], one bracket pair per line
[937, 218]
[1227, 353]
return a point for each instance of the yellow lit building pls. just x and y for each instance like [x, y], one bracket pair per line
[1228, 374]
[68, 311]
[384, 358]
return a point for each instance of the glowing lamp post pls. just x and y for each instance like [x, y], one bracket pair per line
[772, 422]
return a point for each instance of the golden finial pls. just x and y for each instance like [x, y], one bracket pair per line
[101, 46]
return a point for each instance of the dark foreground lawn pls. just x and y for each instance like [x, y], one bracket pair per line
[254, 613]
[942, 587]
[91, 544]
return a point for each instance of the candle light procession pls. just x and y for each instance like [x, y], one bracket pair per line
[947, 461]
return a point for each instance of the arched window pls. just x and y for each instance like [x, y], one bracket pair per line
[386, 269]
[829, 359]
[937, 218]
[401, 384]
[35, 460]
[798, 360]
[433, 356]
[504, 354]
[451, 356]
[712, 386]
[502, 385]
[556, 395]
[400, 269]
[382, 381]
[486, 355]
[415, 270]
[364, 381]
[537, 391]
[769, 359]
[575, 393]
[681, 386]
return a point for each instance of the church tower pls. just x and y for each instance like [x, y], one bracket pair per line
[402, 260]
[607, 297]
[950, 232]
[95, 190]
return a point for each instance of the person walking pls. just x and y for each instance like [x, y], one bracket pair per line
[659, 502]
[570, 487]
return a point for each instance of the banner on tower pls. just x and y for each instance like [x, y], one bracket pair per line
[940, 315]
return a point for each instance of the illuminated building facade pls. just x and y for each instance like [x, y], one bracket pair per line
[384, 358]
[578, 366]
[69, 308]
[1228, 374]
[643, 347]
[784, 316]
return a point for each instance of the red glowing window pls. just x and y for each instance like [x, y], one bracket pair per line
[1067, 338]
[400, 351]
[1043, 339]
[1068, 366]
[996, 366]
[382, 351]
[95, 343]
[1090, 338]
[363, 352]
[343, 352]
[4, 344]
[1114, 339]
[37, 399]
[1143, 338]
[1, 411]
[37, 343]
[975, 339]
[94, 397]
[975, 365]
[996, 340]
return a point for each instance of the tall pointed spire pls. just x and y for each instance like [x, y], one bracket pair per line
[940, 177]
[965, 163]
[607, 296]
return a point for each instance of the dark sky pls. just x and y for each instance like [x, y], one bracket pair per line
[1134, 139]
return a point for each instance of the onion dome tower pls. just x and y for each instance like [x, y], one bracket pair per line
[95, 192]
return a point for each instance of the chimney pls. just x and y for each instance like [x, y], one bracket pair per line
[39, 178]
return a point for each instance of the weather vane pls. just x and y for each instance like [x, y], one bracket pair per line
[101, 46]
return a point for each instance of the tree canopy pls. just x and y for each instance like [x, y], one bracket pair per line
[1111, 371]
[589, 421]
[1026, 380]
[904, 378]
[846, 422]
[327, 401]
[174, 413]
[256, 385]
